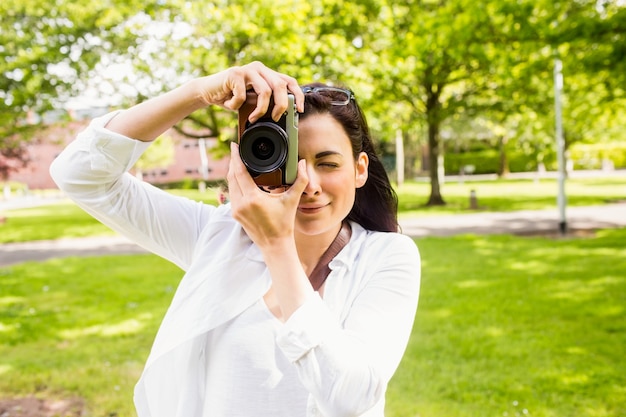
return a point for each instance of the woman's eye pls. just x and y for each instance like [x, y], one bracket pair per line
[329, 165]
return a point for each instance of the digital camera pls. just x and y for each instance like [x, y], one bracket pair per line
[269, 149]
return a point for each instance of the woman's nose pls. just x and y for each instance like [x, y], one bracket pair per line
[314, 186]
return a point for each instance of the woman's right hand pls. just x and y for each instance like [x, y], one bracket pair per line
[228, 89]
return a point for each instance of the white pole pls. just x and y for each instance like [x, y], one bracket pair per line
[399, 157]
[204, 162]
[560, 144]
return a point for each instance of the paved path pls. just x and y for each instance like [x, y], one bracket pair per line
[518, 222]
[40, 250]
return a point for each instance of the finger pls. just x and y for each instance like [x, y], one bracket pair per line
[263, 91]
[294, 88]
[238, 91]
[281, 85]
[279, 92]
[233, 184]
[238, 170]
[302, 180]
[232, 87]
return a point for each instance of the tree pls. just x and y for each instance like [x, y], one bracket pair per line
[45, 49]
[311, 40]
[494, 59]
[441, 55]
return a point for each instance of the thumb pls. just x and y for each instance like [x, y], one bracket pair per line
[302, 179]
[238, 90]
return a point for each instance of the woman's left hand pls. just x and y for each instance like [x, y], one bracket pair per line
[267, 217]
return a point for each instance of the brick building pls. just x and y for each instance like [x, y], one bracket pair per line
[48, 143]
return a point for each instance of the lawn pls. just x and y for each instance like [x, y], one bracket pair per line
[510, 195]
[507, 326]
[511, 326]
[81, 327]
[67, 220]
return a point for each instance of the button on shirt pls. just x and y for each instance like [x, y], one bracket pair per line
[343, 348]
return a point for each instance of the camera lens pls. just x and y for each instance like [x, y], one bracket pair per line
[263, 147]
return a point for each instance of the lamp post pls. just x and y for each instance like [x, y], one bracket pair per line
[560, 144]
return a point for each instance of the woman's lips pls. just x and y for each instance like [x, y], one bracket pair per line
[310, 208]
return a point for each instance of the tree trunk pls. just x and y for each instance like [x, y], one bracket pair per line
[433, 120]
[503, 168]
[435, 198]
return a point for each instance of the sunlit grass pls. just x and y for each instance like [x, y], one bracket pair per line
[517, 326]
[62, 220]
[65, 220]
[81, 327]
[510, 195]
[506, 326]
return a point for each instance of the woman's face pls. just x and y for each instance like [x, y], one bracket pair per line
[333, 174]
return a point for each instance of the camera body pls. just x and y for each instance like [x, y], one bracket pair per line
[269, 149]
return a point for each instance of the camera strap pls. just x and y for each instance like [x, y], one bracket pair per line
[321, 270]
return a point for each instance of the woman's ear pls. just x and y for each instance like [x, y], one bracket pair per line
[362, 164]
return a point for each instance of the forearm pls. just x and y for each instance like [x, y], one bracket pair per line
[333, 363]
[290, 284]
[92, 171]
[148, 120]
[347, 347]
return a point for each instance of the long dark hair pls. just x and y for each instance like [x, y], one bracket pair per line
[376, 203]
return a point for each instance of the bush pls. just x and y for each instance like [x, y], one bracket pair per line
[584, 156]
[591, 155]
[188, 184]
[488, 162]
[484, 162]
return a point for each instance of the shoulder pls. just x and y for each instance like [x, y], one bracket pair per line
[386, 249]
[221, 220]
[385, 258]
[385, 241]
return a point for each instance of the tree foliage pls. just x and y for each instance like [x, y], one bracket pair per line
[459, 67]
[46, 48]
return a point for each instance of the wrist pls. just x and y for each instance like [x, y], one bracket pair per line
[192, 90]
[279, 249]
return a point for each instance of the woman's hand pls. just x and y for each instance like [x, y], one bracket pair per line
[228, 89]
[269, 220]
[267, 217]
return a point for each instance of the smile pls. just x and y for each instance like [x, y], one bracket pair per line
[310, 209]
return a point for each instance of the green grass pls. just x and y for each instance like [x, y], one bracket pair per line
[62, 220]
[66, 220]
[506, 326]
[510, 195]
[511, 326]
[81, 327]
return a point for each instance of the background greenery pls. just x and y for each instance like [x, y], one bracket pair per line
[438, 74]
[64, 219]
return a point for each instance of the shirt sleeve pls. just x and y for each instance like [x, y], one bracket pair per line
[347, 365]
[93, 172]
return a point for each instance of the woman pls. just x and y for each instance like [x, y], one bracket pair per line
[248, 333]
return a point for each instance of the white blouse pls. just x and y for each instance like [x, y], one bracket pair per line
[343, 349]
[245, 370]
